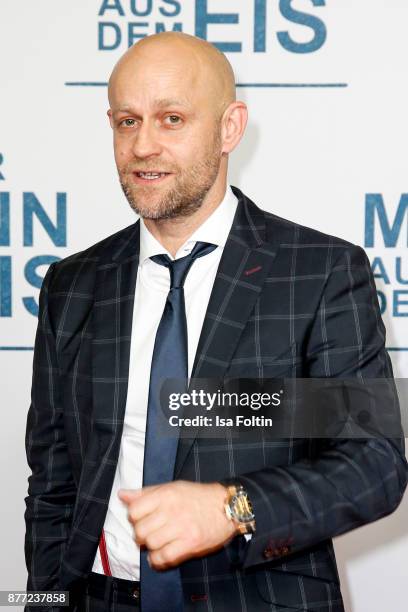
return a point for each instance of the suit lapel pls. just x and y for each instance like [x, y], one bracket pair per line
[114, 298]
[244, 265]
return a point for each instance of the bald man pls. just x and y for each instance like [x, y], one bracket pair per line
[204, 285]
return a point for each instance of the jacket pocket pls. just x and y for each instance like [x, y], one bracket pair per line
[298, 591]
[278, 362]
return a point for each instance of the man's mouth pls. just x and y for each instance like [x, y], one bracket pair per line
[152, 175]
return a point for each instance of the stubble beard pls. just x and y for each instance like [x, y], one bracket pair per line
[186, 196]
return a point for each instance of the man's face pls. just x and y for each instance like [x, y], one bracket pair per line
[167, 137]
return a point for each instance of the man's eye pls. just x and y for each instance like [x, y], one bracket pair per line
[174, 119]
[127, 122]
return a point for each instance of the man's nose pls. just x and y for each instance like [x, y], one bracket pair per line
[146, 142]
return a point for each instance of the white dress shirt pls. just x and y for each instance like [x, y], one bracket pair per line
[152, 287]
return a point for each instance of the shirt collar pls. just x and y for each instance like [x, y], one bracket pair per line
[215, 230]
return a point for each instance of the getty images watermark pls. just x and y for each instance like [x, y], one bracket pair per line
[272, 409]
[208, 401]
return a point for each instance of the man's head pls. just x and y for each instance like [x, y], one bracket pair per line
[173, 111]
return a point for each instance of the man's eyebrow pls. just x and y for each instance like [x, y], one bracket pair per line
[171, 102]
[162, 103]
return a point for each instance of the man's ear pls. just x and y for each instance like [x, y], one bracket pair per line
[234, 122]
[109, 113]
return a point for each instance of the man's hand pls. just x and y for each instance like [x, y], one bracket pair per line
[179, 520]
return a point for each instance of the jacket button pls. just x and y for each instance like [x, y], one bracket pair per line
[136, 594]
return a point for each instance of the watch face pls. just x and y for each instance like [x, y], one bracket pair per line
[241, 507]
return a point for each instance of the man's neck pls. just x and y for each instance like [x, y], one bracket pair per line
[172, 233]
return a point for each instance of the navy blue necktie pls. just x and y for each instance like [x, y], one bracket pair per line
[162, 590]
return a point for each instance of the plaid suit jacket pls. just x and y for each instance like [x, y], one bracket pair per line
[307, 308]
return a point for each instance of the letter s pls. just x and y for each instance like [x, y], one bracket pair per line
[310, 21]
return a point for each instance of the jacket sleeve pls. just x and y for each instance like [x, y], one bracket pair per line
[350, 481]
[51, 488]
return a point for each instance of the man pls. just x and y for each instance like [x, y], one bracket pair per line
[116, 517]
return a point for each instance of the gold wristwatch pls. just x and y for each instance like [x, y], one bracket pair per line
[238, 508]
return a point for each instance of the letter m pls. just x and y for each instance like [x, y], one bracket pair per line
[374, 206]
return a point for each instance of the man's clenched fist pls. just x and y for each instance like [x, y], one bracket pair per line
[178, 520]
